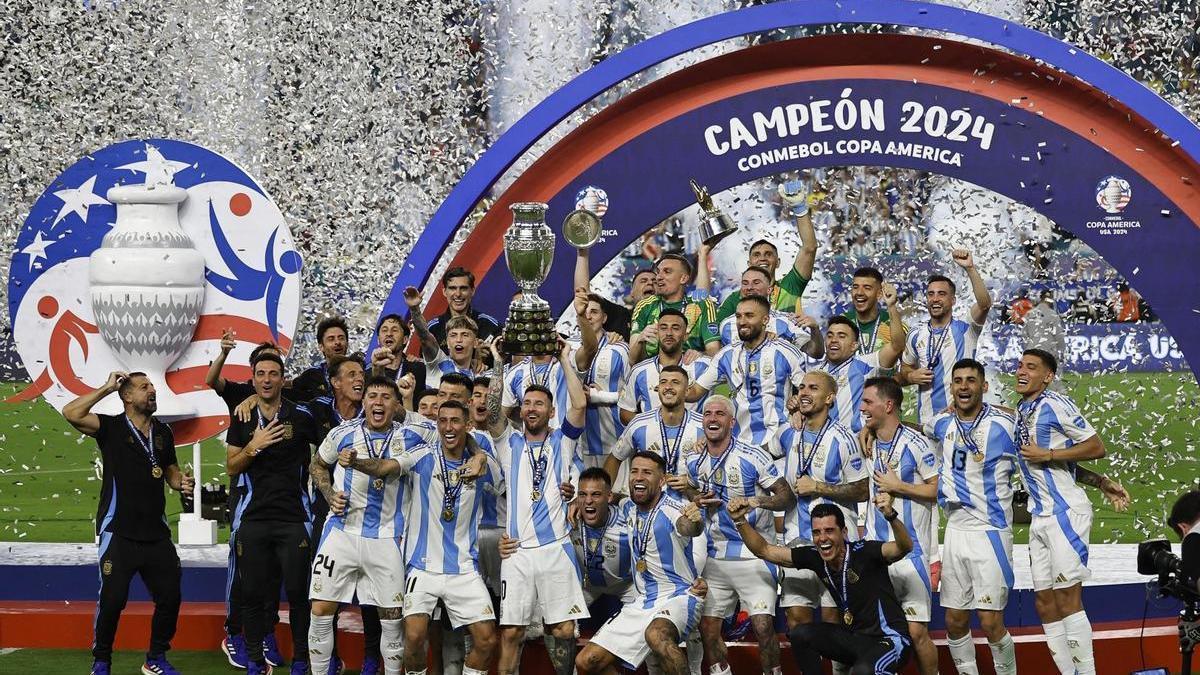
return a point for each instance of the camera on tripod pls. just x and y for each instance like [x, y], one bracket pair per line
[1155, 557]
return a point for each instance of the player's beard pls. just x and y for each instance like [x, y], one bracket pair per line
[750, 333]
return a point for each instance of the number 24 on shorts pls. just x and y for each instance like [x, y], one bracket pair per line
[323, 562]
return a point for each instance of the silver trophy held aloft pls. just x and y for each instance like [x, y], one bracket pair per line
[714, 225]
[147, 287]
[529, 251]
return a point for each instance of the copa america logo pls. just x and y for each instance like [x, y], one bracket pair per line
[592, 198]
[1113, 194]
[139, 257]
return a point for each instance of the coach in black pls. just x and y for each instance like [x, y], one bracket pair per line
[272, 451]
[873, 637]
[139, 456]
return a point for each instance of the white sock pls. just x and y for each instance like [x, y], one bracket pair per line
[423, 671]
[718, 669]
[320, 642]
[962, 652]
[391, 646]
[468, 670]
[1079, 640]
[1056, 640]
[1004, 656]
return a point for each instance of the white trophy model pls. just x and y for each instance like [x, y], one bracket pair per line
[147, 285]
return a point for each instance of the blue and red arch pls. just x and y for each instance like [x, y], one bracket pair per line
[1063, 122]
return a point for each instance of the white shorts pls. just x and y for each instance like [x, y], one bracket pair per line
[544, 581]
[803, 588]
[1058, 549]
[753, 582]
[347, 563]
[910, 579]
[465, 596]
[624, 635]
[977, 570]
[488, 544]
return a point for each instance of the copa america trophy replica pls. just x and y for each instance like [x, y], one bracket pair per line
[529, 251]
[714, 225]
[147, 286]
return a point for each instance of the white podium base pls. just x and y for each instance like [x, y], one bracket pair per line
[194, 531]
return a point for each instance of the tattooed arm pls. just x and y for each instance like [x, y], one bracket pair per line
[780, 499]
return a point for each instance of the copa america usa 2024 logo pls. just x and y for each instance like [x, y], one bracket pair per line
[1113, 194]
[139, 257]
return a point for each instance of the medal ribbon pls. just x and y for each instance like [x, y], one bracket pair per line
[806, 459]
[641, 540]
[896, 443]
[387, 441]
[591, 377]
[538, 462]
[933, 355]
[966, 432]
[591, 561]
[715, 466]
[450, 492]
[841, 594]
[533, 373]
[671, 452]
[867, 342]
[147, 443]
[1025, 417]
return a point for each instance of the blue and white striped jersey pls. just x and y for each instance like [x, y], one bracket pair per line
[605, 556]
[441, 365]
[444, 518]
[740, 471]
[375, 507]
[648, 432]
[851, 376]
[761, 380]
[830, 455]
[518, 377]
[537, 514]
[640, 391]
[780, 324]
[1052, 421]
[977, 459]
[607, 372]
[938, 349]
[668, 563]
[912, 458]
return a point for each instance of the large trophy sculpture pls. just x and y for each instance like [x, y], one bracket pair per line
[147, 286]
[714, 225]
[529, 251]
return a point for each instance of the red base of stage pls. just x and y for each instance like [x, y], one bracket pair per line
[68, 625]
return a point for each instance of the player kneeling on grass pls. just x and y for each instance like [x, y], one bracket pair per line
[669, 591]
[873, 637]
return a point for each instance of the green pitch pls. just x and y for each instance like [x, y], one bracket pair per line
[48, 484]
[124, 663]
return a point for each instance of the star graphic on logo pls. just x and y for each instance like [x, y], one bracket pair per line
[36, 250]
[78, 200]
[158, 169]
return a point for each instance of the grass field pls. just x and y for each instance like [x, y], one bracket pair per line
[124, 663]
[48, 486]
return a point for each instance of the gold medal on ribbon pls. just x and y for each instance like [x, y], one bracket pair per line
[453, 478]
[641, 565]
[535, 495]
[847, 618]
[377, 483]
[156, 472]
[977, 456]
[447, 514]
